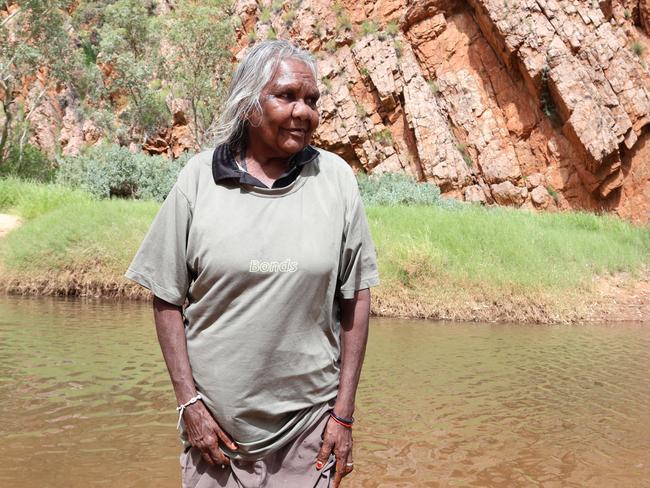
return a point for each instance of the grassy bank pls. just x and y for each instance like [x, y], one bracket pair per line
[467, 263]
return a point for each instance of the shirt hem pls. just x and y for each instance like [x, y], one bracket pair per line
[348, 293]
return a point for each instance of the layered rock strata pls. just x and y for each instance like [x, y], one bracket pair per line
[539, 104]
[535, 103]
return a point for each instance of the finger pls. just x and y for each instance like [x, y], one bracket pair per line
[349, 465]
[323, 454]
[340, 471]
[218, 457]
[225, 438]
[206, 457]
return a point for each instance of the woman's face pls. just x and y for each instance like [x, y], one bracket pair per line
[289, 115]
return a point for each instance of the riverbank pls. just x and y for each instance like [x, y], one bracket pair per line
[470, 263]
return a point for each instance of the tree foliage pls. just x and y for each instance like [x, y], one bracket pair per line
[119, 62]
[199, 35]
[33, 43]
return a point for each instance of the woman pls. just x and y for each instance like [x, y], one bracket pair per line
[260, 260]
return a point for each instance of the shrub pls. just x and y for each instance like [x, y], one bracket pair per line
[33, 165]
[265, 14]
[392, 28]
[289, 17]
[111, 170]
[399, 48]
[384, 137]
[327, 83]
[462, 148]
[638, 48]
[400, 189]
[330, 46]
[343, 22]
[369, 27]
[546, 98]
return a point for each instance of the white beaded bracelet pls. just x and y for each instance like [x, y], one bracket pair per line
[181, 408]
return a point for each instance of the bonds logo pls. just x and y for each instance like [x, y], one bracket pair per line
[286, 266]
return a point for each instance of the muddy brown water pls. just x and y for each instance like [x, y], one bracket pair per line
[85, 401]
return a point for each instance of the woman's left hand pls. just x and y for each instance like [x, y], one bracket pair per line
[336, 439]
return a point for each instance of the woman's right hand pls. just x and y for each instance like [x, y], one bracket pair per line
[204, 433]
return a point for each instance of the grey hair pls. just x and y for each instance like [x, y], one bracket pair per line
[253, 73]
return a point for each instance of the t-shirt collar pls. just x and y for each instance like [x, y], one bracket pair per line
[225, 167]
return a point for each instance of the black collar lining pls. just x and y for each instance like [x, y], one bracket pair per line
[225, 168]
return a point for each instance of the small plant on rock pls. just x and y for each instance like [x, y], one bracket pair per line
[392, 28]
[399, 48]
[435, 89]
[369, 27]
[330, 46]
[553, 192]
[384, 137]
[343, 22]
[327, 83]
[462, 148]
[638, 48]
[265, 14]
[361, 110]
[317, 28]
[546, 99]
[289, 18]
[277, 5]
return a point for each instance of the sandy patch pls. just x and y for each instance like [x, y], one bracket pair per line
[8, 223]
[622, 298]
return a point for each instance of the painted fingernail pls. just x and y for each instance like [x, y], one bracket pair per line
[319, 464]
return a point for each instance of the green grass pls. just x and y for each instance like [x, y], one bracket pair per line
[432, 259]
[503, 249]
[70, 230]
[30, 200]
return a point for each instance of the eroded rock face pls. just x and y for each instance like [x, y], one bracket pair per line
[543, 104]
[533, 103]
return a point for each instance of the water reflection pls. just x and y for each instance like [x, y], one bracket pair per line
[86, 402]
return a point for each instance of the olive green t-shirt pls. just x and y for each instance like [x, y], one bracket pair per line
[259, 271]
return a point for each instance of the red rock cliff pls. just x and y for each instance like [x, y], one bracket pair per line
[530, 103]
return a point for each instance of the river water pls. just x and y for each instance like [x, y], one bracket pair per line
[85, 401]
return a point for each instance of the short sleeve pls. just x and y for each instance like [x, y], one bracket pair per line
[161, 261]
[358, 264]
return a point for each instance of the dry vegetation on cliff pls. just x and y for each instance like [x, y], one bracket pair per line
[458, 263]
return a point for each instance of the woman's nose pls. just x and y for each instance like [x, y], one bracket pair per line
[301, 110]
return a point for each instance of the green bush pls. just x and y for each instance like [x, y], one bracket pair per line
[34, 165]
[111, 170]
[391, 189]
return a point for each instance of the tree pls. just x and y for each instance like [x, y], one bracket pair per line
[33, 49]
[129, 52]
[199, 36]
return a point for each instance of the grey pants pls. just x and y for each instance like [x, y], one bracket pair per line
[293, 466]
